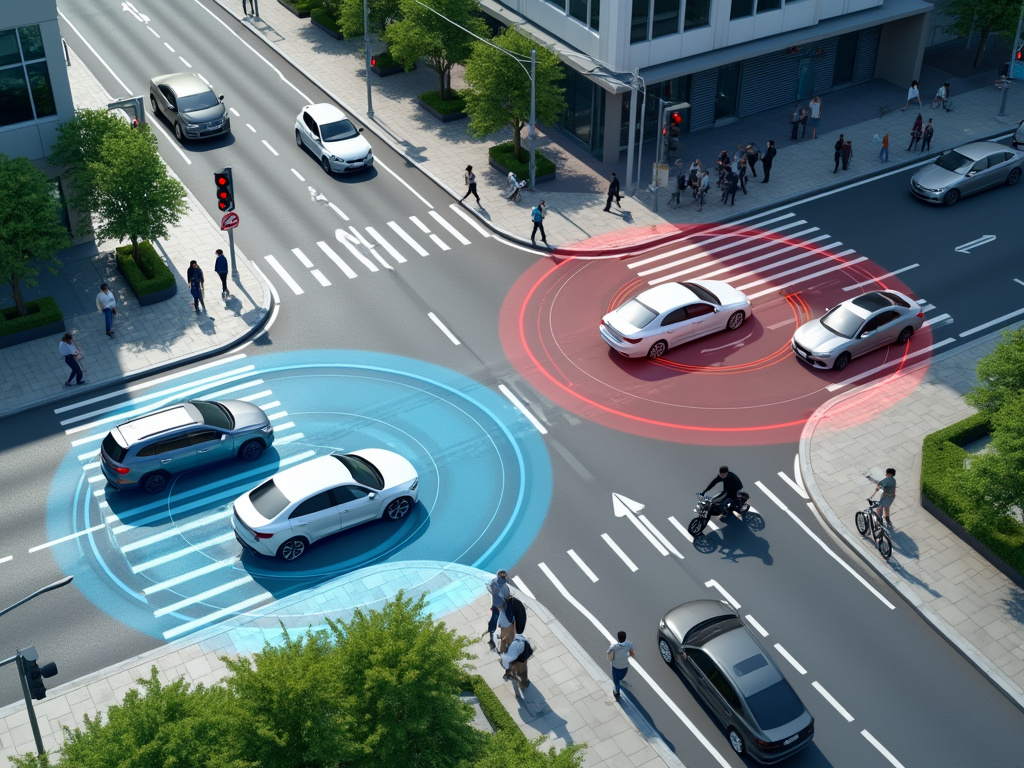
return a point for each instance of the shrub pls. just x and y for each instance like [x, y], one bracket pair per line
[454, 103]
[503, 155]
[384, 60]
[40, 312]
[326, 18]
[154, 275]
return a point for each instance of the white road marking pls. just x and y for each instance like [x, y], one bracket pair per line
[320, 278]
[1018, 280]
[236, 388]
[209, 618]
[712, 584]
[6, 559]
[338, 211]
[184, 61]
[386, 245]
[878, 745]
[69, 537]
[797, 476]
[276, 266]
[168, 47]
[257, 396]
[831, 700]
[401, 181]
[794, 485]
[583, 566]
[203, 79]
[91, 466]
[439, 243]
[880, 277]
[345, 268]
[789, 657]
[803, 279]
[350, 243]
[177, 554]
[661, 537]
[990, 323]
[288, 438]
[469, 220]
[157, 34]
[776, 326]
[412, 243]
[889, 364]
[234, 111]
[178, 530]
[423, 227]
[622, 555]
[636, 665]
[624, 507]
[272, 150]
[681, 528]
[295, 172]
[218, 590]
[303, 259]
[522, 587]
[937, 319]
[444, 329]
[522, 408]
[444, 223]
[95, 479]
[189, 576]
[754, 623]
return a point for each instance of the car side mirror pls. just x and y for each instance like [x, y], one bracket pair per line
[360, 130]
[223, 438]
[221, 97]
[866, 334]
[372, 494]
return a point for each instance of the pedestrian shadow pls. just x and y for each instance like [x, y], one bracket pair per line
[900, 570]
[642, 719]
[264, 29]
[905, 545]
[1014, 605]
[535, 712]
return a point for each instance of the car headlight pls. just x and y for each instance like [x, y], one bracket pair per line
[415, 484]
[822, 355]
[267, 429]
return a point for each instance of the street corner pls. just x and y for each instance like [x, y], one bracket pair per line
[733, 387]
[169, 563]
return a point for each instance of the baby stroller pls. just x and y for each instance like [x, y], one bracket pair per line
[514, 188]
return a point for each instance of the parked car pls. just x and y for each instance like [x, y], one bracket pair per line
[299, 506]
[1017, 140]
[332, 138]
[145, 452]
[672, 314]
[709, 644]
[190, 106]
[965, 170]
[856, 327]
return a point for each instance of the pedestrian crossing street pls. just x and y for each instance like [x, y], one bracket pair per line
[355, 251]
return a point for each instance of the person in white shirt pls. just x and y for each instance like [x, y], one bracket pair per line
[507, 625]
[107, 304]
[510, 661]
[619, 655]
[71, 354]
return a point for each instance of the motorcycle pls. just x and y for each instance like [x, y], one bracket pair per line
[706, 507]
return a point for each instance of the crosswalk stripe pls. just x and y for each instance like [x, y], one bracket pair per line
[439, 242]
[350, 243]
[218, 590]
[177, 530]
[320, 277]
[805, 278]
[423, 227]
[303, 258]
[276, 266]
[369, 246]
[469, 220]
[194, 574]
[444, 223]
[180, 553]
[338, 211]
[412, 243]
[184, 629]
[386, 245]
[345, 268]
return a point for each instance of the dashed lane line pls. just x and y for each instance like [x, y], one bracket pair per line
[618, 551]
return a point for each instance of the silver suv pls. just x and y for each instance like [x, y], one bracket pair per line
[145, 452]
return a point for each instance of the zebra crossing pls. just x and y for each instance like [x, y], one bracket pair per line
[372, 249]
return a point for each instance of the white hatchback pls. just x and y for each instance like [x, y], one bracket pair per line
[284, 515]
[332, 138]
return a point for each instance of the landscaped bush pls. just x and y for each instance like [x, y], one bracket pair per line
[384, 60]
[447, 107]
[327, 18]
[503, 155]
[40, 312]
[154, 276]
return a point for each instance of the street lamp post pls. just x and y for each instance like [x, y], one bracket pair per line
[366, 45]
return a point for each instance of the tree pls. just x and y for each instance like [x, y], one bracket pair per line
[506, 749]
[500, 93]
[31, 230]
[984, 16]
[401, 673]
[421, 33]
[1000, 374]
[381, 13]
[77, 148]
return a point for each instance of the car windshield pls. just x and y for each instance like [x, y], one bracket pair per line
[197, 102]
[703, 293]
[636, 314]
[268, 500]
[214, 414]
[842, 322]
[775, 706]
[363, 472]
[339, 131]
[954, 161]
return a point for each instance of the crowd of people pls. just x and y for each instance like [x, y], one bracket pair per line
[729, 173]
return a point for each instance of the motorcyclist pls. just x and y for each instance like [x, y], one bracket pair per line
[731, 486]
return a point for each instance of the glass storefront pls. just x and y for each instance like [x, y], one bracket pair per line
[584, 118]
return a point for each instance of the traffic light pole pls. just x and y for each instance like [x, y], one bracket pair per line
[22, 673]
[1015, 49]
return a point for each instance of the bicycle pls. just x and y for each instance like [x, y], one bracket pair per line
[869, 519]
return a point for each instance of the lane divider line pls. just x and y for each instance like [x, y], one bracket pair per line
[799, 490]
[661, 537]
[789, 657]
[990, 323]
[6, 559]
[883, 366]
[622, 555]
[583, 566]
[69, 537]
[444, 329]
[712, 584]
[679, 527]
[522, 408]
[831, 700]
[756, 625]
[878, 745]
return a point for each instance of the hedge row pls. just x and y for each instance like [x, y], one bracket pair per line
[448, 106]
[503, 155]
[154, 276]
[326, 18]
[40, 312]
[493, 709]
[945, 481]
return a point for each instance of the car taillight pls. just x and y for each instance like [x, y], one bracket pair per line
[259, 535]
[631, 341]
[920, 314]
[122, 470]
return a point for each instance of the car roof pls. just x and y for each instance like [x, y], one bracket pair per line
[309, 477]
[166, 420]
[324, 112]
[183, 83]
[872, 301]
[979, 149]
[667, 296]
[746, 663]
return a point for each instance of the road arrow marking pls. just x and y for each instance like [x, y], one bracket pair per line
[966, 247]
[628, 508]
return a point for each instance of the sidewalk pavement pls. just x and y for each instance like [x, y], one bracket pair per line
[569, 698]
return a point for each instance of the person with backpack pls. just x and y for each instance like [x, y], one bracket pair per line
[619, 655]
[500, 592]
[511, 620]
[515, 658]
[537, 215]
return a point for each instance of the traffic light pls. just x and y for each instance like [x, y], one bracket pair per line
[225, 190]
[671, 126]
[373, 60]
[675, 121]
[34, 675]
[1020, 54]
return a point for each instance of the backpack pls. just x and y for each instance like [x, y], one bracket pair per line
[518, 614]
[527, 651]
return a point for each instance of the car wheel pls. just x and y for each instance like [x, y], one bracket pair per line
[657, 349]
[841, 362]
[1013, 178]
[905, 335]
[152, 104]
[292, 549]
[397, 509]
[177, 132]
[298, 137]
[951, 197]
[251, 450]
[325, 163]
[665, 649]
[735, 321]
[736, 742]
[154, 483]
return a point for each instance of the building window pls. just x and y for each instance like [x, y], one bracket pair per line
[578, 10]
[25, 90]
[666, 18]
[638, 22]
[768, 5]
[742, 9]
[697, 14]
[595, 15]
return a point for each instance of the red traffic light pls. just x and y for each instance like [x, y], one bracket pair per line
[676, 118]
[373, 60]
[1020, 54]
[225, 190]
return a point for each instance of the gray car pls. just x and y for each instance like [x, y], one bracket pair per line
[189, 105]
[965, 170]
[855, 327]
[709, 644]
[144, 452]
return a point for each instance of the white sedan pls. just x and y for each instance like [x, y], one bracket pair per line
[305, 503]
[332, 138]
[671, 314]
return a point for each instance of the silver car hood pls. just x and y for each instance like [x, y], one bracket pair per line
[208, 115]
[817, 338]
[934, 177]
[246, 415]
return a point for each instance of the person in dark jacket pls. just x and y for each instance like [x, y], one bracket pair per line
[196, 284]
[767, 160]
[220, 266]
[731, 486]
[838, 152]
[613, 193]
[847, 153]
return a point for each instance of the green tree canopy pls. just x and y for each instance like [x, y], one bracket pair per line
[77, 148]
[1000, 471]
[500, 93]
[381, 13]
[507, 749]
[31, 230]
[421, 33]
[1000, 374]
[984, 16]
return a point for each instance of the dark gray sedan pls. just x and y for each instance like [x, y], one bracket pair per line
[190, 106]
[709, 644]
[965, 170]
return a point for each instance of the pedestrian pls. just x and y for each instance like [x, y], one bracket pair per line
[847, 153]
[838, 153]
[500, 592]
[245, 7]
[887, 485]
[926, 136]
[815, 116]
[741, 173]
[915, 133]
[220, 266]
[107, 304]
[696, 169]
[722, 163]
[515, 658]
[913, 92]
[767, 160]
[941, 96]
[730, 186]
[72, 355]
[883, 154]
[794, 123]
[753, 153]
[471, 185]
[613, 193]
[805, 115]
[196, 284]
[506, 626]
[682, 181]
[537, 215]
[619, 655]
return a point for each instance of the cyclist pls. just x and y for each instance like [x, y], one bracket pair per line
[731, 486]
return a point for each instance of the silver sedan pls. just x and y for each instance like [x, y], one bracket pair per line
[856, 327]
[190, 105]
[965, 170]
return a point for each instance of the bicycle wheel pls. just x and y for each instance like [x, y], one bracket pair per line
[862, 523]
[884, 544]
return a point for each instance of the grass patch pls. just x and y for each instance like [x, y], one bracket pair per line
[503, 155]
[40, 312]
[325, 18]
[154, 276]
[454, 103]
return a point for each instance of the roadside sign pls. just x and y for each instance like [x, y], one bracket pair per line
[229, 221]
